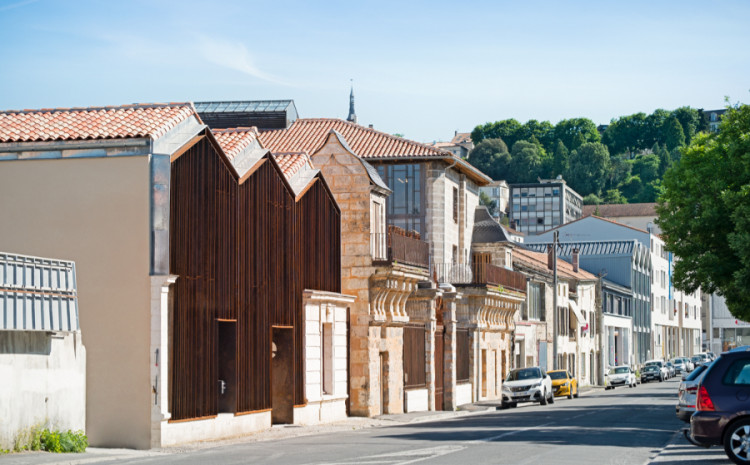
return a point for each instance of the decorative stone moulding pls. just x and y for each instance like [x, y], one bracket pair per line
[390, 289]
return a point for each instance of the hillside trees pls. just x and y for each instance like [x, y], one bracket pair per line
[704, 212]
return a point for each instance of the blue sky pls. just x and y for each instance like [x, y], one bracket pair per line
[421, 68]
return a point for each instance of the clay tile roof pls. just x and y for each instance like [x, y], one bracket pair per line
[120, 122]
[621, 210]
[234, 141]
[309, 134]
[292, 162]
[538, 261]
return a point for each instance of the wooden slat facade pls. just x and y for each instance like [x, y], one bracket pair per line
[415, 368]
[245, 253]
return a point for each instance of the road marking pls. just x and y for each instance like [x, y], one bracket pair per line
[402, 457]
[507, 433]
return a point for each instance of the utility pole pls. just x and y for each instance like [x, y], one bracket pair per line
[555, 237]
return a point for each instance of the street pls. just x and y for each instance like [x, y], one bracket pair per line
[621, 426]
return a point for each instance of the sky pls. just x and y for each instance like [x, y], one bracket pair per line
[423, 69]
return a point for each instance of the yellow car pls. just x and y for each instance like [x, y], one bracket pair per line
[563, 384]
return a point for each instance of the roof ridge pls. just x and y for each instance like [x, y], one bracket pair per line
[376, 131]
[100, 108]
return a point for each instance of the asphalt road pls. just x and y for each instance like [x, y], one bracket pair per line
[621, 426]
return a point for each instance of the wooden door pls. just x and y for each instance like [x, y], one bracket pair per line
[439, 365]
[282, 376]
[227, 366]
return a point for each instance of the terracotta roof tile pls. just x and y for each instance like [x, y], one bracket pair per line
[538, 261]
[292, 162]
[234, 141]
[309, 134]
[139, 120]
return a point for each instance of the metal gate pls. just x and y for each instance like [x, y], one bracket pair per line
[439, 361]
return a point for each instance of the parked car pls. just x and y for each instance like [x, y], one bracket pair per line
[531, 384]
[698, 359]
[711, 355]
[651, 373]
[621, 375]
[671, 369]
[662, 367]
[722, 416]
[563, 384]
[687, 393]
[679, 365]
[689, 366]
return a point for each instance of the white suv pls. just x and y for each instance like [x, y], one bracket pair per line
[531, 384]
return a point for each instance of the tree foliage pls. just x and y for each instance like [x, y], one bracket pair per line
[491, 157]
[526, 161]
[704, 212]
[588, 168]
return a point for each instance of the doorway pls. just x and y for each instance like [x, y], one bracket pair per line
[282, 375]
[227, 365]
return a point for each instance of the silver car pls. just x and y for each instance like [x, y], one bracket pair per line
[530, 384]
[688, 392]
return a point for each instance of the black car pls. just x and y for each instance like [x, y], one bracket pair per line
[722, 414]
[651, 373]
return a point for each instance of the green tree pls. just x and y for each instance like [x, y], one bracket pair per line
[704, 213]
[689, 119]
[631, 188]
[655, 127]
[646, 167]
[673, 134]
[491, 157]
[543, 131]
[589, 164]
[486, 201]
[620, 169]
[526, 160]
[592, 199]
[627, 134]
[614, 196]
[559, 159]
[576, 131]
[507, 130]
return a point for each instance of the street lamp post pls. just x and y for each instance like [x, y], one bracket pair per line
[555, 237]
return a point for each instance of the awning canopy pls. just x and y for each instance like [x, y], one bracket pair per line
[579, 314]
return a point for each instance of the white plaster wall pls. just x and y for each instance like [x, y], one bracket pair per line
[416, 400]
[42, 382]
[225, 425]
[463, 394]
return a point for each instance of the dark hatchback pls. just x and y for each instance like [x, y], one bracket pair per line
[722, 414]
[651, 373]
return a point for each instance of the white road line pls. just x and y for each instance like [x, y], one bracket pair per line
[508, 433]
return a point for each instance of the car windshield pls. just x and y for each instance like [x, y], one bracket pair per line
[619, 370]
[651, 368]
[657, 363]
[557, 374]
[524, 373]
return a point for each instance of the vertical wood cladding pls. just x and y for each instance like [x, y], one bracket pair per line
[203, 196]
[242, 252]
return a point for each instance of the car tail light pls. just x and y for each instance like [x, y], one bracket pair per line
[704, 402]
[691, 389]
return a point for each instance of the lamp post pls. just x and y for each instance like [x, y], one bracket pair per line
[555, 237]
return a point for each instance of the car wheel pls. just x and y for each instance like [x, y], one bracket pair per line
[570, 393]
[543, 400]
[513, 405]
[504, 405]
[737, 442]
[576, 394]
[661, 378]
[551, 398]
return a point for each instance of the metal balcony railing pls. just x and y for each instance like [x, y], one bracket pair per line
[395, 246]
[478, 274]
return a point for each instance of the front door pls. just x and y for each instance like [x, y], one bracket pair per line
[227, 366]
[282, 376]
[439, 372]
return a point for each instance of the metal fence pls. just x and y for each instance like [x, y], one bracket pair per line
[478, 273]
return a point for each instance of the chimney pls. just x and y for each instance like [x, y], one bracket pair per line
[455, 133]
[369, 125]
[575, 260]
[550, 259]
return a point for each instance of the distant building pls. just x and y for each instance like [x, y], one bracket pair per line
[725, 331]
[500, 193]
[636, 215]
[460, 145]
[263, 114]
[714, 118]
[541, 206]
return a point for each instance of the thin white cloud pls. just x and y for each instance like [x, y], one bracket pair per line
[17, 5]
[232, 55]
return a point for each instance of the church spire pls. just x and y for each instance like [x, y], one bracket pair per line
[352, 116]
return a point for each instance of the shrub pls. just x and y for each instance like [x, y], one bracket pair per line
[37, 438]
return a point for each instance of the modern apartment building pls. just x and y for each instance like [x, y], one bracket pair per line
[539, 207]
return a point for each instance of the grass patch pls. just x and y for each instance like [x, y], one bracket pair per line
[38, 438]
